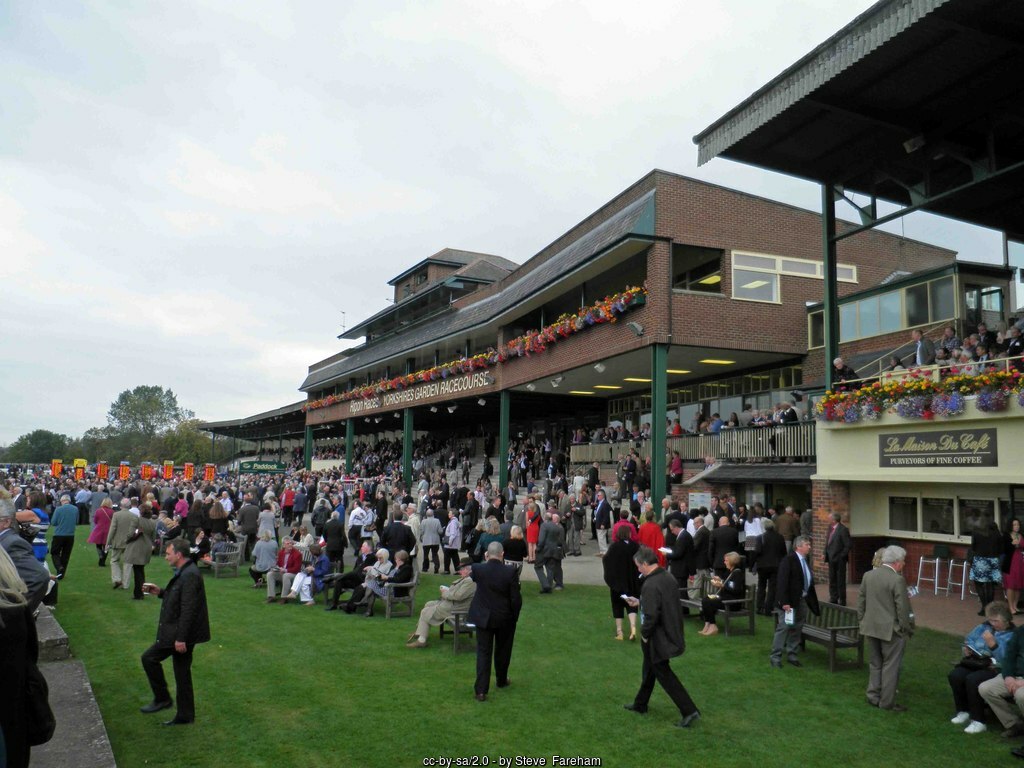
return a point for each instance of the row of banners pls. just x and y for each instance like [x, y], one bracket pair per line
[147, 470]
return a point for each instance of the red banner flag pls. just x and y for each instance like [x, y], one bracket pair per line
[168, 470]
[80, 465]
[209, 473]
[102, 470]
[190, 471]
[146, 470]
[56, 467]
[124, 471]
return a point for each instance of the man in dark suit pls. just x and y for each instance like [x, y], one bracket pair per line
[773, 551]
[837, 553]
[795, 592]
[550, 552]
[723, 539]
[397, 536]
[700, 562]
[184, 622]
[335, 539]
[681, 544]
[602, 522]
[662, 637]
[352, 579]
[494, 611]
[31, 571]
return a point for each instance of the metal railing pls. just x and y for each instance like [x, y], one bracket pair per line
[774, 441]
[935, 372]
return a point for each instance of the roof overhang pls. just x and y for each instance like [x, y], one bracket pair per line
[917, 102]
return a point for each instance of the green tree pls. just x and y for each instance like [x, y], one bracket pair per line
[185, 442]
[145, 410]
[38, 447]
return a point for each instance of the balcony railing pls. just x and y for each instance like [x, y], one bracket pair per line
[783, 441]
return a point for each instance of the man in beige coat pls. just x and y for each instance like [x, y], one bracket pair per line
[883, 608]
[457, 597]
[122, 525]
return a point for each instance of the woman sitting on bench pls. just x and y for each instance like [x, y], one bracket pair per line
[732, 587]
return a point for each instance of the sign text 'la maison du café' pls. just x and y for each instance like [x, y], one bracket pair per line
[949, 448]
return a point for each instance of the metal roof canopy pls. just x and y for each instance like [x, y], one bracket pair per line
[916, 102]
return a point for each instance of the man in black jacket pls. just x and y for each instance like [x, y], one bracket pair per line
[681, 544]
[662, 637]
[495, 612]
[724, 539]
[184, 622]
[773, 550]
[335, 539]
[837, 553]
[795, 588]
[700, 562]
[352, 579]
[397, 536]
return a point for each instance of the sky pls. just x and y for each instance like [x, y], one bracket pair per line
[199, 194]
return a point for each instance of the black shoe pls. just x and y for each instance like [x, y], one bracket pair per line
[1018, 752]
[156, 706]
[635, 708]
[481, 697]
[331, 608]
[688, 720]
[776, 664]
[505, 684]
[795, 662]
[178, 721]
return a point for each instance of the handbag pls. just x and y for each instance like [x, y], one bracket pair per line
[41, 721]
[975, 663]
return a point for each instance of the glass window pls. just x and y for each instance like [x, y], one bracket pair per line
[976, 514]
[937, 516]
[755, 286]
[917, 305]
[756, 262]
[890, 312]
[808, 268]
[869, 317]
[992, 300]
[816, 334]
[846, 274]
[943, 305]
[903, 513]
[848, 322]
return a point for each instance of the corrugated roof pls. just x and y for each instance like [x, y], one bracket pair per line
[635, 219]
[287, 410]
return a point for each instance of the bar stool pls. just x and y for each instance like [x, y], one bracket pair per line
[939, 555]
[957, 577]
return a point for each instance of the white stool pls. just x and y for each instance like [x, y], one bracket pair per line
[957, 577]
[936, 571]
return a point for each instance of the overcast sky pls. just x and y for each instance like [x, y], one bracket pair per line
[192, 193]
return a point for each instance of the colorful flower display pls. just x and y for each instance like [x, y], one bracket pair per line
[530, 343]
[917, 396]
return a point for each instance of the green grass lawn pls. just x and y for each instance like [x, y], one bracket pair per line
[284, 686]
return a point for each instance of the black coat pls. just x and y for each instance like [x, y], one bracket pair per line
[620, 573]
[724, 539]
[701, 550]
[183, 614]
[681, 556]
[789, 585]
[663, 616]
[773, 550]
[838, 548]
[334, 535]
[403, 574]
[397, 535]
[498, 598]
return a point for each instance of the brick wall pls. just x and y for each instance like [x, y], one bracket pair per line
[814, 364]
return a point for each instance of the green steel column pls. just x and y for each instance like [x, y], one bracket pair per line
[831, 299]
[504, 403]
[350, 439]
[308, 449]
[407, 428]
[659, 398]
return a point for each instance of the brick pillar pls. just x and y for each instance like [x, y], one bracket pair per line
[827, 496]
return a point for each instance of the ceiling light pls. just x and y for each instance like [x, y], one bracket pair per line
[713, 361]
[556, 381]
[378, 420]
[755, 284]
[710, 280]
[635, 327]
[433, 409]
[607, 386]
[481, 402]
[634, 378]
[600, 367]
[531, 386]
[678, 371]
[451, 408]
[367, 419]
[397, 414]
[580, 392]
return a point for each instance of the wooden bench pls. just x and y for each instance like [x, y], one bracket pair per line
[456, 625]
[732, 610]
[837, 627]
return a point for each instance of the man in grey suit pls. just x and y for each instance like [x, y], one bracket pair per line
[31, 571]
[550, 551]
[837, 553]
[924, 349]
[886, 620]
[122, 525]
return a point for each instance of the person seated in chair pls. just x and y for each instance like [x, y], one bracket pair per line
[731, 586]
[350, 580]
[310, 580]
[372, 586]
[456, 597]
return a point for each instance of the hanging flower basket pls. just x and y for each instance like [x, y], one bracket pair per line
[949, 405]
[992, 401]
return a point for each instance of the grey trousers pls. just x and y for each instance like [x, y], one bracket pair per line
[700, 577]
[886, 658]
[787, 638]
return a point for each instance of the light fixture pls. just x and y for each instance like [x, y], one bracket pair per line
[481, 402]
[607, 386]
[433, 409]
[635, 327]
[378, 420]
[755, 284]
[710, 280]
[638, 380]
[580, 392]
[913, 144]
[556, 381]
[451, 408]
[677, 371]
[600, 367]
[367, 419]
[531, 386]
[396, 414]
[715, 361]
